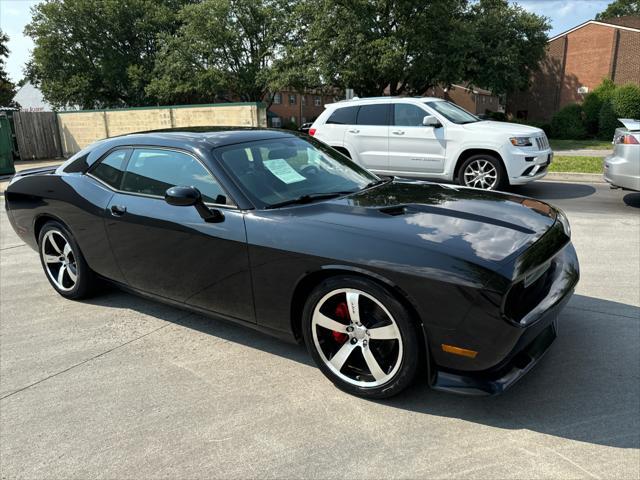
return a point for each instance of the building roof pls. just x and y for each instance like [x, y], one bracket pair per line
[629, 22]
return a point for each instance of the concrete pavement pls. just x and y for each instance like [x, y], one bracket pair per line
[121, 387]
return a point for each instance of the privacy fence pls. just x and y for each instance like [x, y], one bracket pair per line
[50, 135]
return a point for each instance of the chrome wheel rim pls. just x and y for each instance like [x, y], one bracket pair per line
[357, 338]
[59, 260]
[481, 174]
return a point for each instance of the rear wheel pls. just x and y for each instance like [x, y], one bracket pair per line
[361, 337]
[483, 171]
[63, 263]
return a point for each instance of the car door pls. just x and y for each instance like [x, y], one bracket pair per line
[369, 137]
[170, 250]
[413, 147]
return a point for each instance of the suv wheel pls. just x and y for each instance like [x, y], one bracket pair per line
[483, 171]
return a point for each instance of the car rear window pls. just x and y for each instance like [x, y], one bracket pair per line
[373, 115]
[344, 116]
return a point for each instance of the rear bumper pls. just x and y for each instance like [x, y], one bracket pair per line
[623, 172]
[533, 339]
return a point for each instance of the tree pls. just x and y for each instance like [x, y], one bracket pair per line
[504, 46]
[224, 49]
[7, 88]
[620, 8]
[98, 53]
[409, 46]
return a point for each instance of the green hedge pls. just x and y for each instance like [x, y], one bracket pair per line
[626, 101]
[569, 123]
[608, 121]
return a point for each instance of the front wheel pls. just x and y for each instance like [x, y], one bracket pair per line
[63, 263]
[483, 171]
[361, 337]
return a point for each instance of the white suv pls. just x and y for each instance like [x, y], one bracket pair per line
[433, 138]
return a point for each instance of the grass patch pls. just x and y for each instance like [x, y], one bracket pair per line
[592, 144]
[576, 164]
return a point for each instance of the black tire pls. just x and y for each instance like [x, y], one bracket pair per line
[501, 182]
[404, 364]
[85, 280]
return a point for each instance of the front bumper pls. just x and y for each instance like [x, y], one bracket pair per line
[526, 166]
[623, 171]
[532, 342]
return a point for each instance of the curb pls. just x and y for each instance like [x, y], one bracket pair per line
[575, 177]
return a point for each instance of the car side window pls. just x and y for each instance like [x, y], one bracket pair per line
[343, 116]
[153, 171]
[377, 114]
[408, 115]
[111, 169]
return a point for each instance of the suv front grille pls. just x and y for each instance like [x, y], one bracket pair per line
[542, 143]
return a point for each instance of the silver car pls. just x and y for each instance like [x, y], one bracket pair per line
[622, 168]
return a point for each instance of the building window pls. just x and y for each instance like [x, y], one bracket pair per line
[292, 99]
[303, 99]
[277, 98]
[293, 119]
[276, 122]
[317, 101]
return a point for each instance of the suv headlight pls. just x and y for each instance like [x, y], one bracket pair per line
[521, 141]
[562, 218]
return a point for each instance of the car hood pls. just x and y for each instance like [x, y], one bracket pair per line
[471, 224]
[502, 127]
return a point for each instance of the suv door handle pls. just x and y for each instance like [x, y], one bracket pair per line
[398, 132]
[353, 130]
[118, 210]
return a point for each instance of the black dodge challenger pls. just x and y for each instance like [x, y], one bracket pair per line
[380, 278]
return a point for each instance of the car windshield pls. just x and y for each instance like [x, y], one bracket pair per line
[452, 112]
[290, 170]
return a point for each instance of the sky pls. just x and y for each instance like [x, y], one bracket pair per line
[15, 14]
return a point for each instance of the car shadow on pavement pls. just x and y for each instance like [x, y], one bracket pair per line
[554, 190]
[586, 388]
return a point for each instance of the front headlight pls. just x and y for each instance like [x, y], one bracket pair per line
[521, 141]
[562, 218]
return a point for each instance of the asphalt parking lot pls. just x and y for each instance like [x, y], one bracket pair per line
[121, 387]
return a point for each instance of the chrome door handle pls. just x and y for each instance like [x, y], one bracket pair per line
[398, 132]
[118, 210]
[353, 130]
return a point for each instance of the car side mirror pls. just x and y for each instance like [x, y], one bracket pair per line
[191, 196]
[431, 121]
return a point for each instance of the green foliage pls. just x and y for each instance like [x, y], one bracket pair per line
[620, 8]
[98, 53]
[503, 44]
[576, 164]
[593, 103]
[7, 88]
[496, 116]
[569, 123]
[223, 48]
[626, 101]
[608, 121]
[369, 45]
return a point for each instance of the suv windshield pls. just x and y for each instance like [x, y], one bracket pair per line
[452, 112]
[285, 170]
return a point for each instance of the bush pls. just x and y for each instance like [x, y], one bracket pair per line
[496, 116]
[608, 121]
[626, 101]
[568, 123]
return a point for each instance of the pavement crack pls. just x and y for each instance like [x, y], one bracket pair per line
[168, 323]
[13, 246]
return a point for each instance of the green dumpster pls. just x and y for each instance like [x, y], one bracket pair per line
[6, 147]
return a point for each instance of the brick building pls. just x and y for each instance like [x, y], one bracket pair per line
[576, 62]
[289, 107]
[475, 100]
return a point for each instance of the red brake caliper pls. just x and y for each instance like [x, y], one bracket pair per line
[342, 312]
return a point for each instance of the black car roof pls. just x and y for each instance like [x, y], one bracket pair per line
[213, 136]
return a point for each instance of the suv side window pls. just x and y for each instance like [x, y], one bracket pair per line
[343, 116]
[152, 171]
[111, 168]
[377, 114]
[408, 115]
